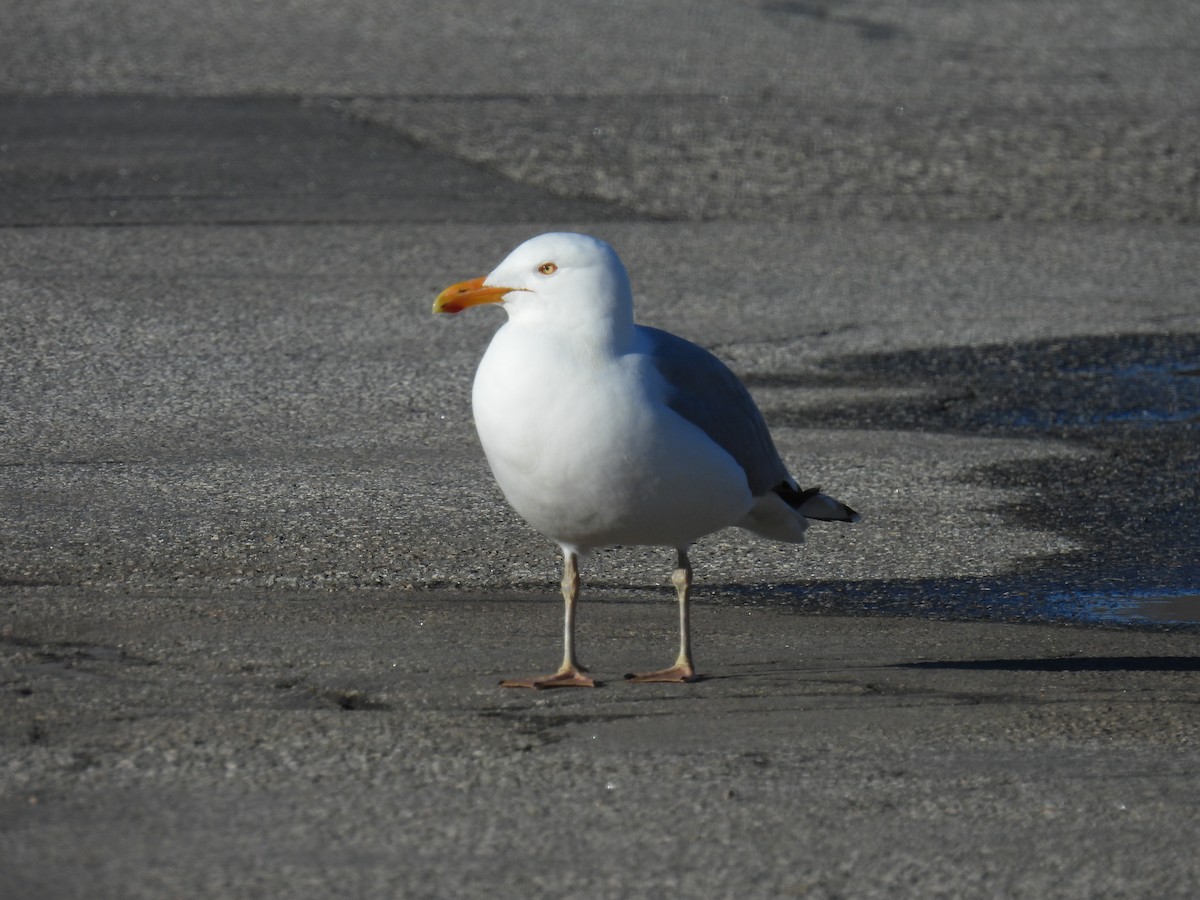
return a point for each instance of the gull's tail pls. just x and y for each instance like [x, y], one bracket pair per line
[812, 504]
[782, 514]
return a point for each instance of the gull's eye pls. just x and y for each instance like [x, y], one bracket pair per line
[547, 268]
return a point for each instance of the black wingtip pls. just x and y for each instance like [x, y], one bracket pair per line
[792, 497]
[831, 510]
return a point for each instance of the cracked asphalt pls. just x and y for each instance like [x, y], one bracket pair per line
[257, 587]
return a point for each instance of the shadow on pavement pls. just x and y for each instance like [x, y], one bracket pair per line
[1132, 400]
[1069, 664]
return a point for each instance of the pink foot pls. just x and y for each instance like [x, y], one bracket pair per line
[677, 674]
[567, 676]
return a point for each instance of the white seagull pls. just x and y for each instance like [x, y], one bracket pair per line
[600, 431]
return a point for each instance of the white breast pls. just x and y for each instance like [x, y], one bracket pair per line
[584, 449]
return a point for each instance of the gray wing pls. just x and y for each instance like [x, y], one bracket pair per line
[703, 390]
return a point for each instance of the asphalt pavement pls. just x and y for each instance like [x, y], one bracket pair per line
[257, 587]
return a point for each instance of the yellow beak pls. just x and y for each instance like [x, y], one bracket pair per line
[458, 297]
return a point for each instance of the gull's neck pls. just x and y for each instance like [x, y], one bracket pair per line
[597, 333]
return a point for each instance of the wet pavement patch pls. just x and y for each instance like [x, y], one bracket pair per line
[1059, 590]
[137, 160]
[1167, 607]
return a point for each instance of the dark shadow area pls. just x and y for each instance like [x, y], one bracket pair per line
[140, 160]
[1072, 388]
[1132, 400]
[1069, 664]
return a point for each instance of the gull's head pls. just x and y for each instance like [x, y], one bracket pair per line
[560, 276]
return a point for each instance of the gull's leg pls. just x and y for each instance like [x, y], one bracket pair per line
[683, 670]
[570, 673]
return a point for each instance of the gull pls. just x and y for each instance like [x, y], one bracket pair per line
[602, 432]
